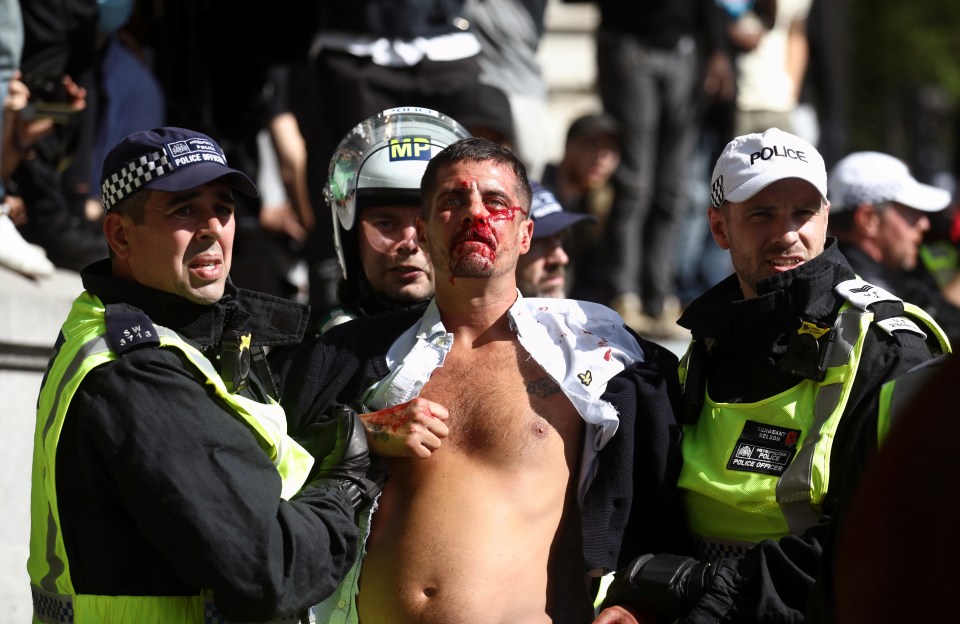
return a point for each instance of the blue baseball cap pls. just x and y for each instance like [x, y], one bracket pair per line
[548, 215]
[165, 159]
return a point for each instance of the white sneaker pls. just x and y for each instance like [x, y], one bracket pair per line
[19, 255]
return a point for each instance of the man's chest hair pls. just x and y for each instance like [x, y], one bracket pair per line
[500, 399]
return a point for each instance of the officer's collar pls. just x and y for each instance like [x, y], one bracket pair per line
[271, 320]
[806, 292]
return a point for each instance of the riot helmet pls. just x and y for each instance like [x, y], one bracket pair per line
[381, 162]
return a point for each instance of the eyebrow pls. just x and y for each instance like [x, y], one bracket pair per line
[225, 196]
[459, 191]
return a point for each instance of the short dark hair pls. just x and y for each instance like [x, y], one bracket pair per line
[473, 149]
[133, 205]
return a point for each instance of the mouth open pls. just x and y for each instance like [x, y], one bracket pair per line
[785, 264]
[206, 268]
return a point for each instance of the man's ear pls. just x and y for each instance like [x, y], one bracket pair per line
[115, 229]
[866, 220]
[526, 235]
[421, 232]
[718, 228]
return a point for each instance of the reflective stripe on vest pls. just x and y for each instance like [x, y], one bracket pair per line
[84, 348]
[51, 608]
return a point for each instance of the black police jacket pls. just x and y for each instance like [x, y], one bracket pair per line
[773, 581]
[163, 492]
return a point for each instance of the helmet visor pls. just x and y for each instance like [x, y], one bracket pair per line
[397, 143]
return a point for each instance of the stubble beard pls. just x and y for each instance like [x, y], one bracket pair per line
[471, 265]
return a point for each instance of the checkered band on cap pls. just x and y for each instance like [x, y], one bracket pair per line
[716, 193]
[132, 176]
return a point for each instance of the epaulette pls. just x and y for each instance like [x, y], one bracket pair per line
[888, 309]
[901, 323]
[866, 296]
[128, 329]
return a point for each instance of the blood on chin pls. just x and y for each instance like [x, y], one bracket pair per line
[471, 265]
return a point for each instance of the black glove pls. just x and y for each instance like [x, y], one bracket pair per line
[339, 445]
[669, 585]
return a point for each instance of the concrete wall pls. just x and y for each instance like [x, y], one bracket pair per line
[30, 316]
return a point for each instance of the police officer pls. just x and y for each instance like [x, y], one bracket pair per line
[780, 392]
[165, 486]
[881, 216]
[373, 191]
[542, 271]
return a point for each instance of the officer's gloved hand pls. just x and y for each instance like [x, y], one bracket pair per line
[669, 585]
[339, 446]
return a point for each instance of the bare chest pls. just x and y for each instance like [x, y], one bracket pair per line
[501, 401]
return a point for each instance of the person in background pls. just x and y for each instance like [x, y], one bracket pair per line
[583, 183]
[781, 387]
[542, 271]
[771, 40]
[15, 252]
[373, 192]
[375, 56]
[880, 215]
[654, 60]
[58, 67]
[165, 485]
[510, 32]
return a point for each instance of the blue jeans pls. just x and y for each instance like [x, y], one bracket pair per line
[11, 46]
[652, 92]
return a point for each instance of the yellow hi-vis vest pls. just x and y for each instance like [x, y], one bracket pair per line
[897, 394]
[755, 471]
[83, 349]
[941, 259]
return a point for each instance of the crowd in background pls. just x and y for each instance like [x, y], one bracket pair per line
[278, 86]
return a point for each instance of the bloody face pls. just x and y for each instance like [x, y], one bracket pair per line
[476, 227]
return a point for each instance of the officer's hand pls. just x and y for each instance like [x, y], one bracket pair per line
[339, 447]
[411, 429]
[669, 585]
[624, 615]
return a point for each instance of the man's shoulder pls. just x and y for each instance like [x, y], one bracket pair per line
[574, 311]
[891, 314]
[586, 327]
[586, 317]
[273, 320]
[371, 329]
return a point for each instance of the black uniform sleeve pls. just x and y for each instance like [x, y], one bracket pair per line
[337, 367]
[632, 507]
[773, 581]
[192, 494]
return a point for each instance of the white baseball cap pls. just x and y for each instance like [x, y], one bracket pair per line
[752, 162]
[873, 177]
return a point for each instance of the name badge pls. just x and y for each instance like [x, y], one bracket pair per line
[764, 449]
